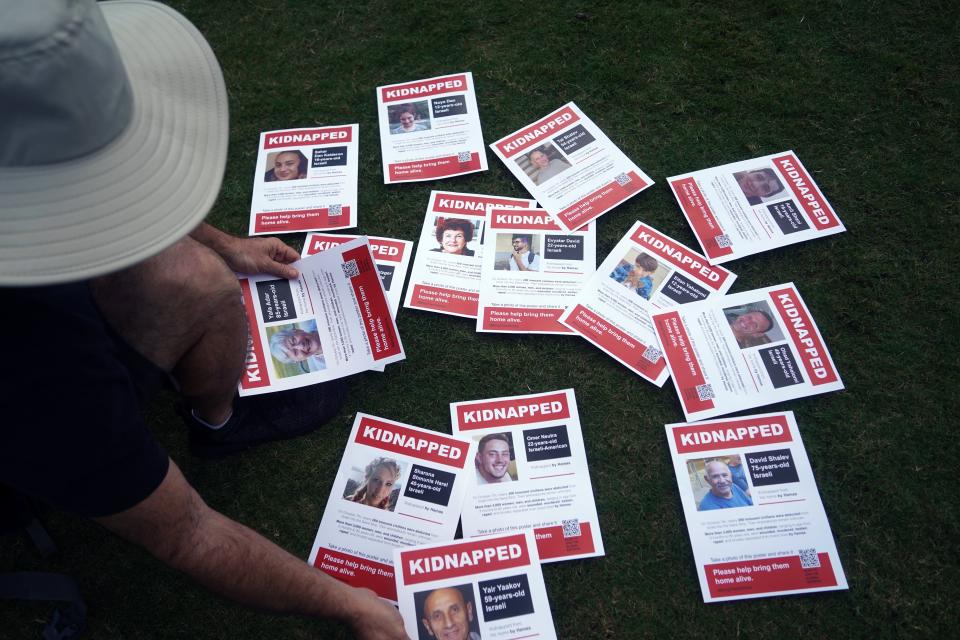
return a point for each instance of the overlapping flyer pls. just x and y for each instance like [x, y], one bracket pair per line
[570, 166]
[756, 522]
[397, 486]
[482, 588]
[306, 180]
[530, 472]
[746, 207]
[646, 271]
[446, 270]
[430, 129]
[332, 321]
[532, 270]
[391, 255]
[743, 351]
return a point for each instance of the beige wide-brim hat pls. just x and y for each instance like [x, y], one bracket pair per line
[100, 172]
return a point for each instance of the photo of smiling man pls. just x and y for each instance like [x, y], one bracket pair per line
[447, 614]
[494, 459]
[752, 325]
[543, 163]
[296, 348]
[721, 491]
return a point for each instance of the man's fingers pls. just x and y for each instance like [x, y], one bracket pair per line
[284, 271]
[286, 253]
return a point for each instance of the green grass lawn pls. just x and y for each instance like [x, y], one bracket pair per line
[866, 93]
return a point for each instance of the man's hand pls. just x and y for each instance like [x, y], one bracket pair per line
[251, 256]
[260, 255]
[374, 618]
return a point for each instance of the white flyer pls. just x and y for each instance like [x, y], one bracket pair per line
[571, 167]
[331, 322]
[754, 515]
[743, 351]
[306, 180]
[532, 270]
[530, 472]
[645, 272]
[446, 269]
[746, 207]
[430, 129]
[397, 486]
[391, 255]
[477, 589]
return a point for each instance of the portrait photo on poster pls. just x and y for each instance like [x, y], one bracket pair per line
[495, 460]
[640, 272]
[719, 482]
[286, 165]
[517, 252]
[542, 163]
[376, 483]
[295, 348]
[753, 324]
[760, 185]
[409, 117]
[457, 236]
[447, 613]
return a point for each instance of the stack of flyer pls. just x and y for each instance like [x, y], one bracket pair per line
[392, 257]
[530, 473]
[645, 272]
[446, 270]
[490, 587]
[515, 472]
[531, 271]
[332, 321]
[743, 351]
[397, 486]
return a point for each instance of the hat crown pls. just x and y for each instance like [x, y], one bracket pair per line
[64, 92]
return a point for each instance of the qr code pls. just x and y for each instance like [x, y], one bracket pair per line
[350, 268]
[723, 241]
[623, 179]
[705, 392]
[463, 157]
[809, 559]
[571, 528]
[335, 210]
[652, 354]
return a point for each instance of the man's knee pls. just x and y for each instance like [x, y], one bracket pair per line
[164, 305]
[189, 273]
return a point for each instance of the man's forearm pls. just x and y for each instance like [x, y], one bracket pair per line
[210, 236]
[233, 560]
[176, 526]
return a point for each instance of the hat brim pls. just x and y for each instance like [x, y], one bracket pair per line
[144, 190]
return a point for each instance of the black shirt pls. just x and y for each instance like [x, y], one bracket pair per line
[71, 432]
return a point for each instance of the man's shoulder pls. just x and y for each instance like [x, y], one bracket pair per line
[707, 502]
